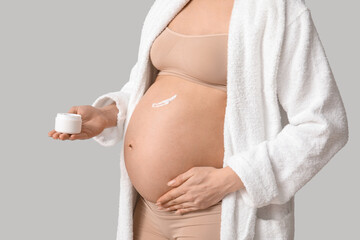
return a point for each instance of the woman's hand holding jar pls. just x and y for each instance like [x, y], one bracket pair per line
[94, 121]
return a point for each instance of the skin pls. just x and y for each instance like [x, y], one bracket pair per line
[184, 143]
[199, 187]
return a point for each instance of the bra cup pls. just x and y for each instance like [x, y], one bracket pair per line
[200, 57]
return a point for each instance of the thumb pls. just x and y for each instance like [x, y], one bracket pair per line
[73, 109]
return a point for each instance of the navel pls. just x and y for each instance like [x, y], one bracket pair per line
[130, 146]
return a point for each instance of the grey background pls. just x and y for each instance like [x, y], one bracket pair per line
[57, 54]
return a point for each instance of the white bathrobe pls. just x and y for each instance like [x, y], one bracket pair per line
[284, 117]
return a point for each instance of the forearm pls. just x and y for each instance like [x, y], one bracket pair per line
[110, 113]
[232, 182]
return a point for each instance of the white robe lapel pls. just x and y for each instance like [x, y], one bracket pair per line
[256, 35]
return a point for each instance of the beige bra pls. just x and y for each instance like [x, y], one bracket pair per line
[198, 58]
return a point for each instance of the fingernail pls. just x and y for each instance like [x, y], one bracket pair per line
[171, 182]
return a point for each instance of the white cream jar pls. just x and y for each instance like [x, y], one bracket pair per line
[68, 123]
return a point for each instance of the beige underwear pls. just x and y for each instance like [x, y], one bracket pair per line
[151, 223]
[198, 58]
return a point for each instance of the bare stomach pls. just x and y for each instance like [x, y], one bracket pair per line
[170, 137]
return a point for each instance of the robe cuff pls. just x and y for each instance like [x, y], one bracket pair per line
[255, 171]
[112, 135]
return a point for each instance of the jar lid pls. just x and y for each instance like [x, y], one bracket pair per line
[70, 116]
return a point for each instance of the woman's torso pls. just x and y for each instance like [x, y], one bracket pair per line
[165, 139]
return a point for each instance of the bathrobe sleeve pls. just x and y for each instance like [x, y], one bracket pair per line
[274, 170]
[110, 136]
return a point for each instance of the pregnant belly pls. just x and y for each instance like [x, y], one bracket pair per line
[166, 138]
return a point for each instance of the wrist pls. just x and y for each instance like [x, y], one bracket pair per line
[233, 182]
[110, 113]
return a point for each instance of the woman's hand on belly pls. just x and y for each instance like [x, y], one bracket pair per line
[198, 188]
